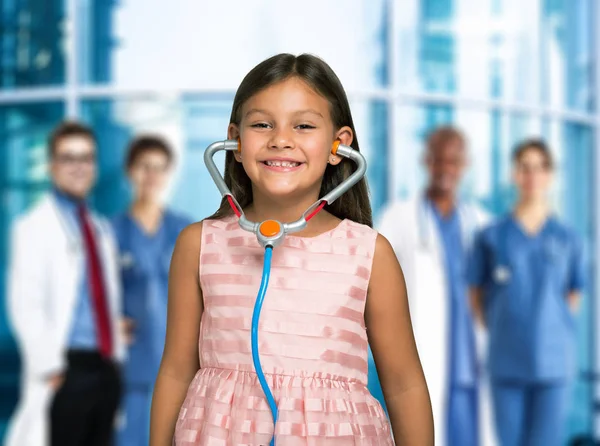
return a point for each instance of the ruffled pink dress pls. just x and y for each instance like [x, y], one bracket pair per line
[312, 336]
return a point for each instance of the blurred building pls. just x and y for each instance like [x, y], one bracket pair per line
[499, 69]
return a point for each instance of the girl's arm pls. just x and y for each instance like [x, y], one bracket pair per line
[180, 360]
[395, 352]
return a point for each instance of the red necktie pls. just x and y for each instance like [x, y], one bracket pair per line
[96, 284]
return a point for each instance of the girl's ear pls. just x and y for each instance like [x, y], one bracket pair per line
[345, 135]
[233, 132]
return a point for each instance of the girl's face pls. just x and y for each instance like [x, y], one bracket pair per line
[532, 175]
[287, 134]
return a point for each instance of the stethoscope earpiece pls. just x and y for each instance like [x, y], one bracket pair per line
[335, 146]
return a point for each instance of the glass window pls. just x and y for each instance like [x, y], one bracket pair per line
[24, 136]
[371, 122]
[567, 55]
[33, 35]
[23, 179]
[207, 122]
[534, 52]
[573, 146]
[124, 43]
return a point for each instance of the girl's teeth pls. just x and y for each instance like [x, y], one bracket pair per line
[281, 164]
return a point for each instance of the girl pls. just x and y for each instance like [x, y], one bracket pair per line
[526, 273]
[146, 234]
[287, 113]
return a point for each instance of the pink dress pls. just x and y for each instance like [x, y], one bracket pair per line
[312, 342]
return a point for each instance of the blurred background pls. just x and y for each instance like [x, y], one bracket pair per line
[500, 70]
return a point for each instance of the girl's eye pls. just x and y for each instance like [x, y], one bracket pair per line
[260, 125]
[305, 126]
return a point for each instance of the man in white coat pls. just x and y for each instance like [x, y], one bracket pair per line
[63, 301]
[431, 235]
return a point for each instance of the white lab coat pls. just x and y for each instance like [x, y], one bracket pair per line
[47, 262]
[412, 232]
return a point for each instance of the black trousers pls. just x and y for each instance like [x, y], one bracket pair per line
[83, 410]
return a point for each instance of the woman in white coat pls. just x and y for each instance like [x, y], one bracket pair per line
[431, 236]
[45, 280]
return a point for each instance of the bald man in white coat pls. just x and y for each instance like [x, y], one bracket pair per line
[431, 235]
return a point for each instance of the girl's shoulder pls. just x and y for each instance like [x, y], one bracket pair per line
[188, 246]
[360, 227]
[351, 230]
[228, 223]
[191, 234]
[348, 231]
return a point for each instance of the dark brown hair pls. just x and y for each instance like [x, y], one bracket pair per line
[66, 129]
[537, 144]
[441, 136]
[354, 204]
[147, 143]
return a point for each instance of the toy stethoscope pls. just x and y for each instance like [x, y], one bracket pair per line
[271, 233]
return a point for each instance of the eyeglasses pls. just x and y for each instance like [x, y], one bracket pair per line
[71, 160]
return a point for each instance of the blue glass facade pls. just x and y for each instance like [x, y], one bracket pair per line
[24, 129]
[32, 37]
[499, 69]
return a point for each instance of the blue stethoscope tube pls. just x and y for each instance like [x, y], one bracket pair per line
[254, 336]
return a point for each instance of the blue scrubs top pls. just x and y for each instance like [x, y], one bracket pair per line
[145, 260]
[526, 280]
[462, 367]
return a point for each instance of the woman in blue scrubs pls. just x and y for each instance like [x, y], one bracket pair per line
[146, 234]
[526, 273]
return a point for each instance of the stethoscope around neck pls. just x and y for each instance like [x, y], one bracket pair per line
[271, 233]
